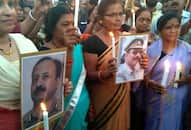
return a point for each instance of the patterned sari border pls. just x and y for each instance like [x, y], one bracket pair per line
[110, 108]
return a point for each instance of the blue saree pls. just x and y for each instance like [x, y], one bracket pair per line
[165, 112]
[77, 121]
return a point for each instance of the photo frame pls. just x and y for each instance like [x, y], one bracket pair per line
[42, 75]
[129, 54]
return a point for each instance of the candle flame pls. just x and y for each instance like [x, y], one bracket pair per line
[178, 65]
[43, 106]
[111, 34]
[167, 64]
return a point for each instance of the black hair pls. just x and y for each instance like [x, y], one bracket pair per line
[57, 63]
[166, 17]
[24, 3]
[140, 10]
[104, 4]
[151, 3]
[52, 18]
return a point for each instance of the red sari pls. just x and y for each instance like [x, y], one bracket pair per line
[11, 119]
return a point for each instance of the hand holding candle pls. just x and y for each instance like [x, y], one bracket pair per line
[177, 74]
[45, 116]
[113, 44]
[166, 73]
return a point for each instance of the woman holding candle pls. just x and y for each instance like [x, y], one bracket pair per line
[60, 33]
[109, 100]
[11, 45]
[165, 112]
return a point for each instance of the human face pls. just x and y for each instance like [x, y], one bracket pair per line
[7, 16]
[132, 57]
[143, 22]
[171, 30]
[20, 14]
[176, 5]
[65, 30]
[112, 19]
[44, 82]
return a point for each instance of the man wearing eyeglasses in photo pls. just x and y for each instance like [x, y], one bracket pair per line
[129, 68]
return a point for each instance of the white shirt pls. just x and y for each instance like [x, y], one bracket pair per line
[125, 73]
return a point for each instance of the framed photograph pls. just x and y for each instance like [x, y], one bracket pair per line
[131, 47]
[42, 75]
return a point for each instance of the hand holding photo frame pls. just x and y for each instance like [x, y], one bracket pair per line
[42, 75]
[131, 48]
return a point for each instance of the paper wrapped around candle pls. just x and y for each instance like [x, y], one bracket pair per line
[113, 44]
[177, 74]
[45, 116]
[166, 73]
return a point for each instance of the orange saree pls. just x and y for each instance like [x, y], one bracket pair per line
[111, 101]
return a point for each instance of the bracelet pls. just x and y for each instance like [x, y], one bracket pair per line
[30, 15]
[99, 75]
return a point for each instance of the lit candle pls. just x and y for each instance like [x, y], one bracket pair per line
[177, 75]
[133, 18]
[166, 73]
[113, 44]
[45, 116]
[77, 3]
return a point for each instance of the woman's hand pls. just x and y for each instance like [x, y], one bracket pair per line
[184, 79]
[41, 7]
[154, 85]
[111, 67]
[144, 61]
[71, 37]
[67, 87]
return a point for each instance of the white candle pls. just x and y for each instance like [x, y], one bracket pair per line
[55, 2]
[45, 116]
[98, 2]
[166, 73]
[133, 18]
[177, 74]
[113, 44]
[77, 3]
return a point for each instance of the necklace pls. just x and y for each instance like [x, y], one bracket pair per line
[9, 51]
[54, 44]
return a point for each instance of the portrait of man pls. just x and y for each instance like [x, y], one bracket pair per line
[46, 86]
[129, 68]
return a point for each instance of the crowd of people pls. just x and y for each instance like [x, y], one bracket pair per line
[37, 25]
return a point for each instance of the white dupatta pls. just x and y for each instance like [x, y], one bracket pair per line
[10, 74]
